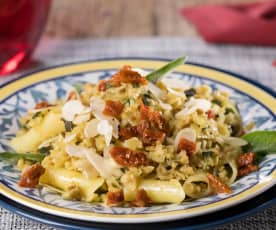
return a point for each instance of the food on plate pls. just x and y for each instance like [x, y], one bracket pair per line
[137, 139]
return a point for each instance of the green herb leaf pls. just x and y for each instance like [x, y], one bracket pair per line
[260, 156]
[127, 102]
[207, 154]
[135, 85]
[159, 73]
[261, 141]
[68, 125]
[45, 150]
[146, 99]
[37, 114]
[229, 110]
[79, 87]
[217, 102]
[34, 157]
[108, 85]
[25, 127]
[190, 92]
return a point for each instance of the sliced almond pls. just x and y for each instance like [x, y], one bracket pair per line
[106, 129]
[90, 129]
[193, 105]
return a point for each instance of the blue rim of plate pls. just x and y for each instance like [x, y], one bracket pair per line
[243, 210]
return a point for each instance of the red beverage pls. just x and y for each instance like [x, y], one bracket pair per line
[21, 25]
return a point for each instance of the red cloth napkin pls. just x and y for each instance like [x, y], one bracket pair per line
[253, 23]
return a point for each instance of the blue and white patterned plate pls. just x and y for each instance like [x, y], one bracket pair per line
[255, 103]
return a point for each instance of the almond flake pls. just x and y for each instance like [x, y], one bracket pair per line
[193, 105]
[71, 108]
[90, 129]
[175, 83]
[104, 128]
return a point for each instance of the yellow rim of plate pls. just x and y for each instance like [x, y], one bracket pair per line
[204, 72]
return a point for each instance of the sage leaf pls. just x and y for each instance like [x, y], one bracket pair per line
[157, 75]
[34, 157]
[261, 141]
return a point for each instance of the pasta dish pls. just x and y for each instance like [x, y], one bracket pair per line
[134, 139]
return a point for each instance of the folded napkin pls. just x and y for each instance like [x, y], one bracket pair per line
[253, 23]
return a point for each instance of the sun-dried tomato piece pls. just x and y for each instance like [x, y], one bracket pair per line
[159, 122]
[247, 169]
[151, 129]
[144, 132]
[128, 132]
[113, 108]
[102, 85]
[153, 126]
[145, 111]
[115, 198]
[30, 177]
[218, 186]
[211, 114]
[246, 164]
[246, 159]
[42, 104]
[141, 199]
[127, 157]
[150, 135]
[126, 75]
[187, 145]
[72, 96]
[154, 117]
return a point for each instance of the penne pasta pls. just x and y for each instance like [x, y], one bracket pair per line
[67, 179]
[197, 186]
[50, 126]
[163, 191]
[231, 169]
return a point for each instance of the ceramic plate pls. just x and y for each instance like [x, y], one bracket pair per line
[243, 210]
[256, 103]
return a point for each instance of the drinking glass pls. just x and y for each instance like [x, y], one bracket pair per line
[21, 25]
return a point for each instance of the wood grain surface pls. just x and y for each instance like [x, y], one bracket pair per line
[122, 18]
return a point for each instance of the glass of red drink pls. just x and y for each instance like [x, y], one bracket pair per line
[21, 25]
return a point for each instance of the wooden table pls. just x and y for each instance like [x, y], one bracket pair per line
[120, 18]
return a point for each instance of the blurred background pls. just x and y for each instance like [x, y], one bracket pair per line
[204, 30]
[120, 18]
